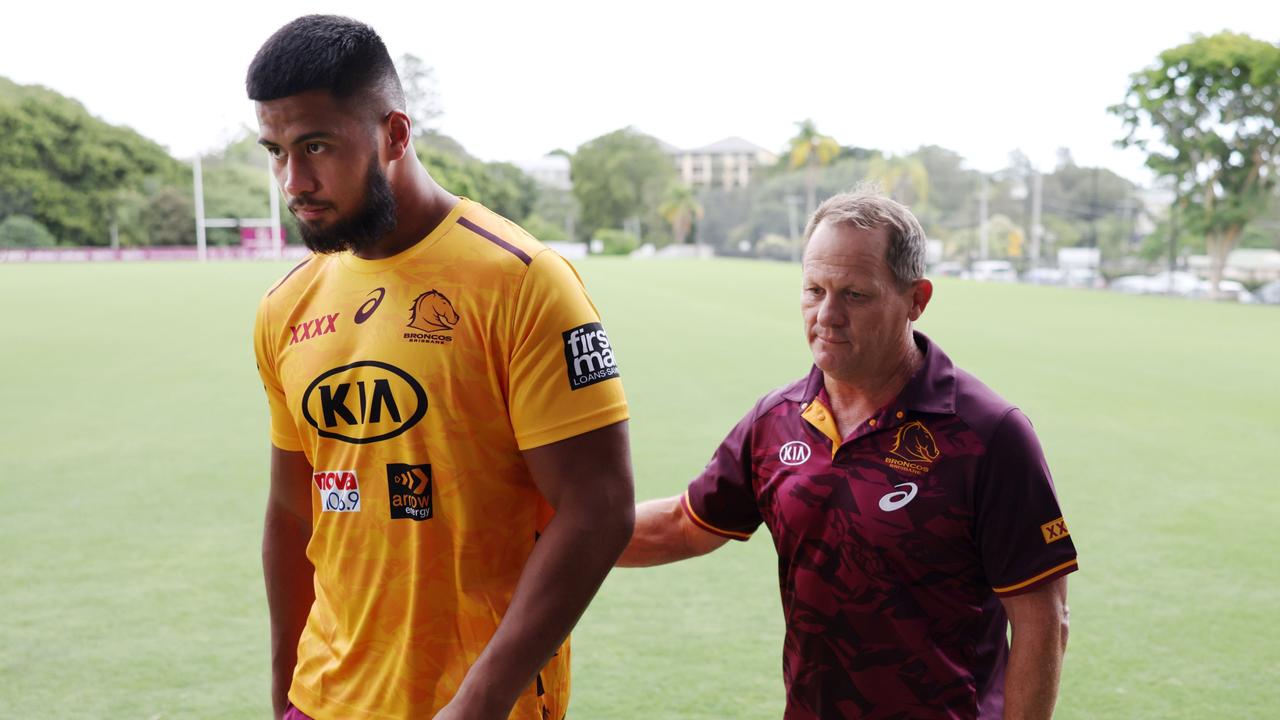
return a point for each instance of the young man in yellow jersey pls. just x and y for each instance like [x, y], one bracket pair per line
[450, 470]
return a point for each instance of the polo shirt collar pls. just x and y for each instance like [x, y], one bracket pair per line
[931, 390]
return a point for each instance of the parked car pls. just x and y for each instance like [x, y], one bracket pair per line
[947, 269]
[1175, 283]
[1066, 277]
[1131, 285]
[994, 271]
[1045, 276]
[1083, 277]
[1182, 284]
[1268, 294]
[1228, 290]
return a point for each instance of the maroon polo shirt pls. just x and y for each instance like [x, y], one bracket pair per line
[894, 543]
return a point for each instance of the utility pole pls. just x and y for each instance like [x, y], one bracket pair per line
[1173, 236]
[792, 202]
[1037, 230]
[983, 224]
[1093, 219]
[277, 240]
[201, 251]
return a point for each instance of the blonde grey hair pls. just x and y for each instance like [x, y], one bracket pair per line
[867, 208]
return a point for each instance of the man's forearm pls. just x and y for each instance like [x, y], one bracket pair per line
[290, 594]
[663, 534]
[1035, 663]
[564, 571]
[657, 538]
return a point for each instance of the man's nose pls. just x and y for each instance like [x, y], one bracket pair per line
[298, 178]
[830, 314]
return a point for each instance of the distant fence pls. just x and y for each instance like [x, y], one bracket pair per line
[172, 254]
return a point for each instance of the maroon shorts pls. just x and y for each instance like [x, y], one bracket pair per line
[293, 713]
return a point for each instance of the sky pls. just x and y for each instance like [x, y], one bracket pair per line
[519, 79]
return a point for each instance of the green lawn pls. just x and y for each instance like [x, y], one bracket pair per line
[134, 463]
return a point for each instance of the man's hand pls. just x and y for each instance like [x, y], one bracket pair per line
[1039, 622]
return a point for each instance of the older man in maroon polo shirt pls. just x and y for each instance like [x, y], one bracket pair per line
[911, 507]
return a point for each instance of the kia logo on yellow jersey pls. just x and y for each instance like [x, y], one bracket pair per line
[364, 402]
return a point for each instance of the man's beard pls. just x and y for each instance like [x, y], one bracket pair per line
[375, 220]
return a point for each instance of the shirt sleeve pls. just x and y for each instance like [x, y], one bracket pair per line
[283, 432]
[722, 499]
[1022, 536]
[564, 378]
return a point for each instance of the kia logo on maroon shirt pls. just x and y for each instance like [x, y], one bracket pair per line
[794, 453]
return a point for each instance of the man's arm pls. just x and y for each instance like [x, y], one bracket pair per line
[587, 479]
[288, 573]
[1039, 622]
[665, 534]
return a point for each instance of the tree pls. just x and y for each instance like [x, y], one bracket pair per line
[1207, 114]
[951, 191]
[558, 207]
[904, 178]
[680, 208]
[421, 95]
[502, 187]
[66, 169]
[620, 177]
[811, 149]
[22, 231]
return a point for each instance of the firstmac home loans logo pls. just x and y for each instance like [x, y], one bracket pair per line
[588, 356]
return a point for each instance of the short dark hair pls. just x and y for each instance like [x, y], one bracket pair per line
[325, 52]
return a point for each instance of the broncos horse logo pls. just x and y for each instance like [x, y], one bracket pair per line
[915, 444]
[432, 312]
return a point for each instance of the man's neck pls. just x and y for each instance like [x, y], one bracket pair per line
[421, 205]
[853, 400]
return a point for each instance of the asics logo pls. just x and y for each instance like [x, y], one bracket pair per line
[898, 499]
[365, 311]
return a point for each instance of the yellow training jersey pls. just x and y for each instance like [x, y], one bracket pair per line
[412, 383]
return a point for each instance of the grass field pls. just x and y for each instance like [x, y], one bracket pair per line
[133, 453]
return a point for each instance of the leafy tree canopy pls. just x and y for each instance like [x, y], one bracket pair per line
[1207, 114]
[621, 177]
[66, 169]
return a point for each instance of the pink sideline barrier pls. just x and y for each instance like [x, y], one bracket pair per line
[98, 254]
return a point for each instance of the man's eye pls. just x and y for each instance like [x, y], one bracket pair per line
[275, 152]
[314, 148]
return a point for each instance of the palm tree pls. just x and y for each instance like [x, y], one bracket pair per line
[812, 150]
[680, 208]
[904, 178]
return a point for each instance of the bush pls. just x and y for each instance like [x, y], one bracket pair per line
[544, 230]
[617, 242]
[775, 247]
[22, 231]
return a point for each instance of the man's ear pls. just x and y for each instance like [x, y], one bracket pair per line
[921, 293]
[399, 130]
